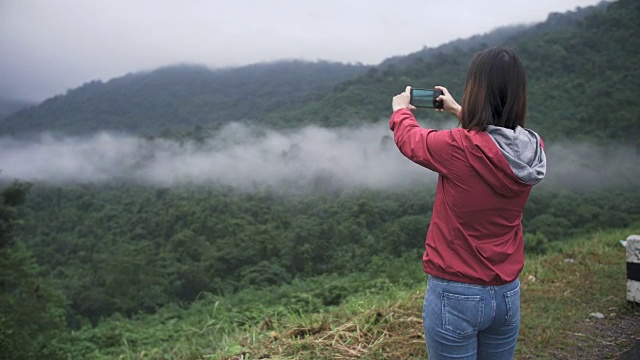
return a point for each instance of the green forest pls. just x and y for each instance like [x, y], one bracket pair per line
[86, 268]
[181, 97]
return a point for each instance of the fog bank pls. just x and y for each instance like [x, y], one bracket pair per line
[236, 156]
[246, 158]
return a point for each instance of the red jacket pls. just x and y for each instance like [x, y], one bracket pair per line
[475, 235]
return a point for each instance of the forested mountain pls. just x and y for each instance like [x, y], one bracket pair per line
[182, 97]
[583, 79]
[582, 67]
[555, 22]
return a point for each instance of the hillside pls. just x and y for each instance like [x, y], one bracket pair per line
[554, 22]
[584, 77]
[381, 316]
[147, 247]
[388, 324]
[181, 97]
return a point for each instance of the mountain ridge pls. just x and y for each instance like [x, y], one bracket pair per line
[180, 97]
[569, 68]
[571, 55]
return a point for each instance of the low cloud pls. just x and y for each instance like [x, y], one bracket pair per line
[585, 166]
[248, 158]
[237, 156]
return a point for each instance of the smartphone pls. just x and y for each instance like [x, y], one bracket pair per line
[425, 98]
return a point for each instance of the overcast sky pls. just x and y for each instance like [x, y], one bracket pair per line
[49, 46]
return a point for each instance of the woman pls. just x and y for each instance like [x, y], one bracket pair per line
[474, 248]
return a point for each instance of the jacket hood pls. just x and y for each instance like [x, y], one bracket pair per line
[523, 150]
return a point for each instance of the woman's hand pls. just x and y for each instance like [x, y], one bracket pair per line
[402, 100]
[448, 103]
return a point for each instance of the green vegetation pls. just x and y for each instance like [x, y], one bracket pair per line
[31, 309]
[380, 316]
[181, 97]
[559, 292]
[127, 249]
[113, 254]
[583, 78]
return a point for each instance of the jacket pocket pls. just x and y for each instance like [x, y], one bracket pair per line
[462, 315]
[512, 299]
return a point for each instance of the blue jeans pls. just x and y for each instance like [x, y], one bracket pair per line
[465, 321]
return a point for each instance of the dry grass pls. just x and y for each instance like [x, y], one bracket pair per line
[385, 332]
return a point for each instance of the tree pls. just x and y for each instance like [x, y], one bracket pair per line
[31, 312]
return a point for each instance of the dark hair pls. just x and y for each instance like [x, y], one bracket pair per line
[495, 92]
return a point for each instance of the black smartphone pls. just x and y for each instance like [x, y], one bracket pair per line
[425, 98]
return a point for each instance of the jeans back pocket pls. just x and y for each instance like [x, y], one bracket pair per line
[462, 315]
[512, 299]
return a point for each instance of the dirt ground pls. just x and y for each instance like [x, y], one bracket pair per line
[615, 337]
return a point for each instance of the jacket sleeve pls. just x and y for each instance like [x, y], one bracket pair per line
[427, 147]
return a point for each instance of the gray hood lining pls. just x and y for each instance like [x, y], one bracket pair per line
[523, 150]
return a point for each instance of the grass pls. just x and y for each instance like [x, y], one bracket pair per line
[562, 289]
[559, 292]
